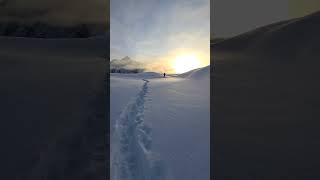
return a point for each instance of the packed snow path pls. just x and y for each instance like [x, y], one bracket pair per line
[135, 160]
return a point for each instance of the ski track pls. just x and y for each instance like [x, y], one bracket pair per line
[132, 158]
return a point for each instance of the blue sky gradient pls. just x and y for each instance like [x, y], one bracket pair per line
[155, 30]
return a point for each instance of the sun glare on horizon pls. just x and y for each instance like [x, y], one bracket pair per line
[184, 63]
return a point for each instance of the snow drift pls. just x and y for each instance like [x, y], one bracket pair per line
[197, 73]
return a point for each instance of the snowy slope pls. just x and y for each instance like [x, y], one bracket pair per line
[266, 102]
[53, 108]
[160, 126]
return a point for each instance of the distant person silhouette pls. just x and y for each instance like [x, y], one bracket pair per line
[164, 75]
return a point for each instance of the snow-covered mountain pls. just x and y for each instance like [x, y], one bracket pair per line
[126, 63]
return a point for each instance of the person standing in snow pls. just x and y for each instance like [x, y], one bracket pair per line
[164, 75]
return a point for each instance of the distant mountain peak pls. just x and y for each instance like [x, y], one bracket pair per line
[126, 58]
[125, 63]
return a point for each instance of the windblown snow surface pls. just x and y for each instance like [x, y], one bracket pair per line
[160, 127]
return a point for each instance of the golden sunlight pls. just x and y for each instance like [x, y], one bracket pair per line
[186, 63]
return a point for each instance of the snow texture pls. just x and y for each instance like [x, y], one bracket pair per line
[160, 127]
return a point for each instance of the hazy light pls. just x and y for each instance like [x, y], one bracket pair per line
[184, 63]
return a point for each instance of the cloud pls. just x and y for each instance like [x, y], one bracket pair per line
[155, 31]
[55, 11]
[298, 8]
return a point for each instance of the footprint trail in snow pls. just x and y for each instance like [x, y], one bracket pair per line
[132, 158]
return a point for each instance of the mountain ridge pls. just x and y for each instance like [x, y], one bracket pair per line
[283, 38]
[125, 64]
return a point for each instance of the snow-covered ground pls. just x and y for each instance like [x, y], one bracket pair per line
[160, 127]
[53, 108]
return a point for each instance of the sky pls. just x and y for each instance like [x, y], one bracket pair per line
[157, 31]
[300, 8]
[233, 17]
[62, 12]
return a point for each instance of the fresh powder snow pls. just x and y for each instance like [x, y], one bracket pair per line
[160, 127]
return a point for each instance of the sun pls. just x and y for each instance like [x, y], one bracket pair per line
[186, 62]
